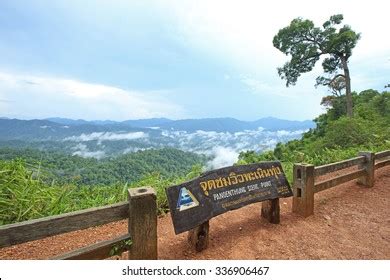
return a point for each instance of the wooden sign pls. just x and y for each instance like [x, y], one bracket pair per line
[215, 192]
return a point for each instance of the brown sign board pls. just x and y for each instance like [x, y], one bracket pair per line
[218, 191]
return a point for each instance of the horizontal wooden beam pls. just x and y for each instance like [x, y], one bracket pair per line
[98, 251]
[382, 163]
[382, 154]
[338, 180]
[323, 169]
[44, 227]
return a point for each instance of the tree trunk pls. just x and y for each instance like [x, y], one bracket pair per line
[348, 93]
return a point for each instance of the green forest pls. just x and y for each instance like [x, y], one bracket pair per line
[57, 168]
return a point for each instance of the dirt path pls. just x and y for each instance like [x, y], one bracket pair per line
[350, 222]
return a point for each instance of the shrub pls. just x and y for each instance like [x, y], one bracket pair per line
[347, 132]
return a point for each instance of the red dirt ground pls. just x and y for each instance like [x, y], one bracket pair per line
[350, 222]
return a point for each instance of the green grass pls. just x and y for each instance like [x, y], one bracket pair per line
[24, 195]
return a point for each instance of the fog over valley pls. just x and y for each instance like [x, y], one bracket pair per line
[220, 140]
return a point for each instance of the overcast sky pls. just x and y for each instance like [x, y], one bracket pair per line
[178, 59]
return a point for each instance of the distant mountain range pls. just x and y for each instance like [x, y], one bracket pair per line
[135, 123]
[207, 124]
[60, 128]
[14, 129]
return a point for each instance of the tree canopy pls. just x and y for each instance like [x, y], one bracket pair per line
[307, 43]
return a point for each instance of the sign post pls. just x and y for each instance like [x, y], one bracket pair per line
[193, 203]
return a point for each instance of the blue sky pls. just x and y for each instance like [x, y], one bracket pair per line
[177, 59]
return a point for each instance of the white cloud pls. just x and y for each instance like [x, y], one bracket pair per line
[243, 30]
[204, 142]
[107, 136]
[240, 34]
[222, 157]
[134, 149]
[41, 97]
[259, 87]
[222, 147]
[283, 133]
[82, 151]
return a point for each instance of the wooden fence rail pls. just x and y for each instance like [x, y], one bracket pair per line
[140, 210]
[321, 186]
[380, 159]
[306, 178]
[382, 163]
[324, 169]
[40, 228]
[100, 250]
[382, 154]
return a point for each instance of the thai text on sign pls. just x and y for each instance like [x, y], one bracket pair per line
[215, 192]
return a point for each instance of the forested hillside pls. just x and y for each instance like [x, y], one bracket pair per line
[60, 168]
[336, 136]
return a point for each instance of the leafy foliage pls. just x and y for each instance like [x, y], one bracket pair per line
[307, 43]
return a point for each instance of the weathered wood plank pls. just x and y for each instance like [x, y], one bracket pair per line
[368, 166]
[40, 228]
[143, 223]
[382, 154]
[338, 180]
[303, 200]
[270, 210]
[382, 163]
[199, 237]
[98, 251]
[323, 169]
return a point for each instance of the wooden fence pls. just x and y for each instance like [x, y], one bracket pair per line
[141, 211]
[306, 178]
[140, 241]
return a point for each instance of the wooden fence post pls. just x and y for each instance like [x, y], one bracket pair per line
[270, 210]
[143, 223]
[303, 189]
[199, 236]
[369, 167]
